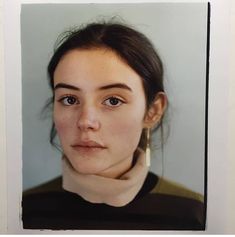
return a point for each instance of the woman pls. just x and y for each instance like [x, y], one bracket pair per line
[108, 95]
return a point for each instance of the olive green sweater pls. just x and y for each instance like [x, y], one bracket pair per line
[159, 205]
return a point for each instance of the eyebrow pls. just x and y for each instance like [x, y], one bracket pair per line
[116, 85]
[106, 87]
[66, 86]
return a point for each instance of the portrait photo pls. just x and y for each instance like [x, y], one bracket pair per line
[114, 115]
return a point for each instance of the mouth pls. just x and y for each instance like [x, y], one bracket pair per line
[88, 147]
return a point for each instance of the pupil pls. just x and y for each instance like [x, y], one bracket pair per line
[114, 101]
[71, 100]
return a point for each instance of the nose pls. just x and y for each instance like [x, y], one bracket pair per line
[88, 119]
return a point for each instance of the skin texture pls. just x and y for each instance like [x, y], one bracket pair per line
[100, 118]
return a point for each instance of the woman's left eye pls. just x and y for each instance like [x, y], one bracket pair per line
[113, 102]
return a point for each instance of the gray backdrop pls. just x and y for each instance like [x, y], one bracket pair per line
[179, 33]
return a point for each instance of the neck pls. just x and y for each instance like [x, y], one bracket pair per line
[117, 170]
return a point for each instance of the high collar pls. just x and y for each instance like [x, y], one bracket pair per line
[98, 189]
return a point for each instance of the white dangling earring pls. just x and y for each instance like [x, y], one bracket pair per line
[147, 152]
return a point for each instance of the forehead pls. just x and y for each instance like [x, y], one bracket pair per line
[98, 66]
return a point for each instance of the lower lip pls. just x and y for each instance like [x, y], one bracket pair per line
[88, 149]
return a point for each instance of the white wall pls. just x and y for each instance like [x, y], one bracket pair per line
[221, 149]
[231, 145]
[3, 165]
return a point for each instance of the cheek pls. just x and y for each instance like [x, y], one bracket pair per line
[63, 123]
[126, 130]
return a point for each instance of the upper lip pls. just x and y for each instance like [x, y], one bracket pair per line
[88, 144]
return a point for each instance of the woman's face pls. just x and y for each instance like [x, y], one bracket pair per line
[99, 110]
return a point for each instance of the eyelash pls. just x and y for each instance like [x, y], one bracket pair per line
[62, 100]
[118, 100]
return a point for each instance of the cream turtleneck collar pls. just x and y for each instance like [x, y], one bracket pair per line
[97, 189]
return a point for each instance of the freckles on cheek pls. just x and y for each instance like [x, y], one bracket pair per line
[62, 124]
[126, 129]
[60, 127]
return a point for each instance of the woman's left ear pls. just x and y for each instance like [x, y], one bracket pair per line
[156, 110]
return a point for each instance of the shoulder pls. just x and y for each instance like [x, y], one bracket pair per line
[168, 187]
[54, 185]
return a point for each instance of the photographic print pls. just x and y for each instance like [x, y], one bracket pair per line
[114, 113]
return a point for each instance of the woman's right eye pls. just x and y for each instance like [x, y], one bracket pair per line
[68, 100]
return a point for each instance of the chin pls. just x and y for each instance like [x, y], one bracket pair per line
[86, 167]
